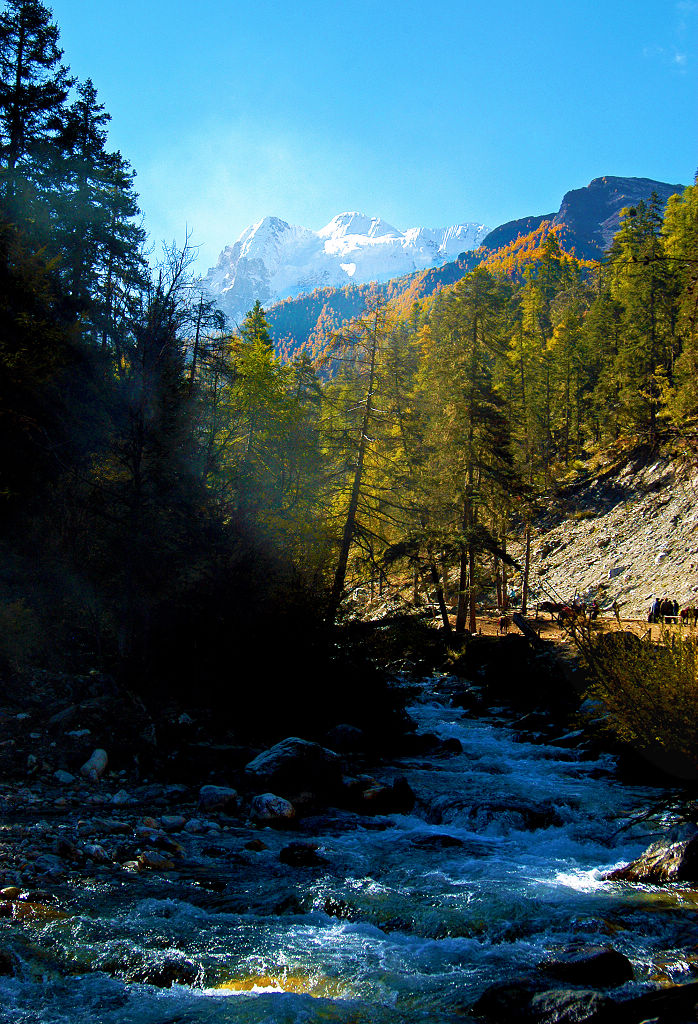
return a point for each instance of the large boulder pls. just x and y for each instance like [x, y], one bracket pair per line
[270, 809]
[661, 862]
[296, 766]
[522, 1000]
[600, 966]
[217, 798]
[95, 766]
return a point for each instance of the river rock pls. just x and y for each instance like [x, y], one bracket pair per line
[97, 853]
[217, 798]
[122, 798]
[9, 963]
[677, 1004]
[173, 822]
[301, 855]
[49, 864]
[256, 845]
[346, 739]
[64, 778]
[569, 1006]
[67, 850]
[170, 970]
[154, 860]
[590, 965]
[524, 1001]
[295, 766]
[272, 810]
[95, 766]
[663, 861]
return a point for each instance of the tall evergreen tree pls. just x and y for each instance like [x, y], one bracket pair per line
[34, 86]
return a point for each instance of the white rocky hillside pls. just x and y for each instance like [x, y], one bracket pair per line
[273, 260]
[630, 536]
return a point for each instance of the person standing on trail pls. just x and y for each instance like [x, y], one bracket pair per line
[616, 611]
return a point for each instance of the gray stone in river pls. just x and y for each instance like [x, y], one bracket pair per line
[272, 809]
[663, 861]
[217, 798]
[295, 765]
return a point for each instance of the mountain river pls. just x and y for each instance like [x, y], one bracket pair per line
[408, 919]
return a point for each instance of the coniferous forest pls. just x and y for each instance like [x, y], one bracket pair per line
[184, 512]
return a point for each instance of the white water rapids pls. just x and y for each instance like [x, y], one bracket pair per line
[411, 917]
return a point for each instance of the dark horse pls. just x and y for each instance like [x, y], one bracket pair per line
[663, 610]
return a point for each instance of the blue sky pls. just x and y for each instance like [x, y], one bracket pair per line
[424, 113]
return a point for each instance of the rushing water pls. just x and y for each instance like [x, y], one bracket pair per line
[410, 919]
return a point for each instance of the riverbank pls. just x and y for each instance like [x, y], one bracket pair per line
[166, 901]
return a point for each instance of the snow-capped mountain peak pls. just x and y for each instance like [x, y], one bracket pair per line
[273, 260]
[357, 224]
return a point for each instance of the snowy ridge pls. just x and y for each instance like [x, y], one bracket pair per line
[274, 260]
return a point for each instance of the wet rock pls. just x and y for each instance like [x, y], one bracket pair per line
[663, 861]
[302, 855]
[525, 1000]
[294, 766]
[155, 861]
[675, 1005]
[49, 864]
[147, 834]
[347, 739]
[64, 778]
[601, 966]
[165, 973]
[10, 892]
[67, 850]
[272, 809]
[31, 911]
[95, 766]
[507, 1002]
[97, 853]
[450, 745]
[517, 815]
[288, 905]
[173, 822]
[256, 846]
[573, 1006]
[217, 798]
[9, 964]
[341, 909]
[122, 798]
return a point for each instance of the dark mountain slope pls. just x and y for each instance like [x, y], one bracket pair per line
[592, 214]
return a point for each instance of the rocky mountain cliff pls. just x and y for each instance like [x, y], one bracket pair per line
[628, 534]
[589, 215]
[273, 260]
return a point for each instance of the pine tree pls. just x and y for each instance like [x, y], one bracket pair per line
[96, 228]
[680, 237]
[639, 282]
[467, 433]
[255, 327]
[34, 86]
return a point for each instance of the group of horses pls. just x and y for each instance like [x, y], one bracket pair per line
[567, 613]
[667, 610]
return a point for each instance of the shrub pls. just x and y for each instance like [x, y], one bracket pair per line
[650, 689]
[21, 636]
